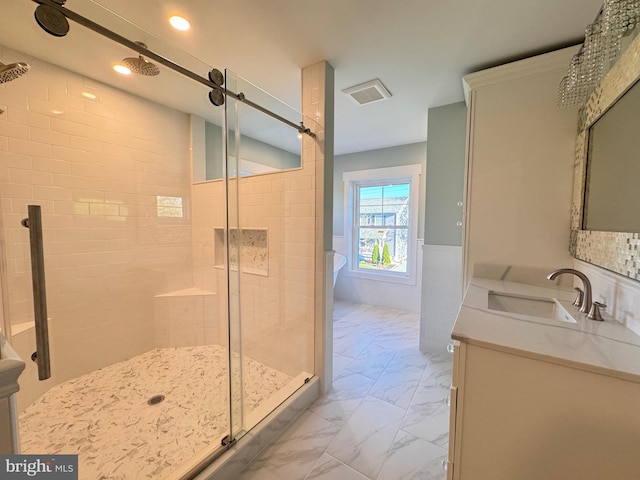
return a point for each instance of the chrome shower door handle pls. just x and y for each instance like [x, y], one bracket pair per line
[34, 224]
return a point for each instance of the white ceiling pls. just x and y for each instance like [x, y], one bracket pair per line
[419, 49]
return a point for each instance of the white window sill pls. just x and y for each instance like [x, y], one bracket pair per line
[381, 276]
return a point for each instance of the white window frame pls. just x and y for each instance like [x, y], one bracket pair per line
[401, 174]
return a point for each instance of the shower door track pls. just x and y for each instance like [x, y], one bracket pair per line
[110, 34]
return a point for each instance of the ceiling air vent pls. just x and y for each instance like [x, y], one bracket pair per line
[368, 92]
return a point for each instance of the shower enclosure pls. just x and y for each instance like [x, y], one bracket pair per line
[179, 257]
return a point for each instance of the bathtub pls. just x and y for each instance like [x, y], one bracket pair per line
[339, 261]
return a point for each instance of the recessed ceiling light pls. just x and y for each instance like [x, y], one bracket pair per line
[180, 23]
[121, 69]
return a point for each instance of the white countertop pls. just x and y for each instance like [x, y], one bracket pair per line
[605, 347]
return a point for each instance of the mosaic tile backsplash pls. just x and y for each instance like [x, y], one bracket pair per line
[614, 251]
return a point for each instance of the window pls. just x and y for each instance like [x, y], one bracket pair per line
[381, 222]
[382, 226]
[169, 206]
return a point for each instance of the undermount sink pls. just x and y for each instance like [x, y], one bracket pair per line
[539, 307]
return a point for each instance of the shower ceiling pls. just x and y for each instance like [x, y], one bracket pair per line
[419, 49]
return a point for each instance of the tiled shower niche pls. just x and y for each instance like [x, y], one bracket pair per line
[254, 250]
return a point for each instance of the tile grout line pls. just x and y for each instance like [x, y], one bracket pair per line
[413, 396]
[317, 461]
[406, 412]
[369, 394]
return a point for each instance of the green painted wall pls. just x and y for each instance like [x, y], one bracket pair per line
[329, 159]
[213, 151]
[250, 149]
[385, 157]
[445, 174]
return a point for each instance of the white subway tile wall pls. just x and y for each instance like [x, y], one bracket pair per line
[276, 310]
[95, 166]
[120, 279]
[317, 81]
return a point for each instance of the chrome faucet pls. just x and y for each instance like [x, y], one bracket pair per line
[586, 284]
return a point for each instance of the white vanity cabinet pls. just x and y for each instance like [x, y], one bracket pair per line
[519, 164]
[515, 416]
[458, 350]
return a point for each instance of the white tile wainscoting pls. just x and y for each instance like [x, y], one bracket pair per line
[441, 295]
[378, 292]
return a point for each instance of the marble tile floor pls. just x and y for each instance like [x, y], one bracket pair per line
[387, 416]
[104, 417]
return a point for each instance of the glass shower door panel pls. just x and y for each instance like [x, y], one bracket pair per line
[232, 242]
[276, 266]
[137, 313]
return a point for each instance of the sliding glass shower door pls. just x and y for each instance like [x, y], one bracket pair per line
[271, 211]
[137, 317]
[179, 255]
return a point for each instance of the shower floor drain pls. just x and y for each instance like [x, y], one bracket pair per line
[156, 399]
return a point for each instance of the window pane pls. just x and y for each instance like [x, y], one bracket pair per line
[371, 194]
[371, 218]
[384, 249]
[369, 205]
[396, 215]
[396, 194]
[382, 234]
[386, 205]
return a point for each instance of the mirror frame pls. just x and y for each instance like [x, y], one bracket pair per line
[613, 251]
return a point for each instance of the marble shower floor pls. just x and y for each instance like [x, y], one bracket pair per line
[104, 416]
[385, 419]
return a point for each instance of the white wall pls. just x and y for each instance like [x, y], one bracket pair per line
[442, 286]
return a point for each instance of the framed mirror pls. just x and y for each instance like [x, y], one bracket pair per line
[612, 180]
[605, 220]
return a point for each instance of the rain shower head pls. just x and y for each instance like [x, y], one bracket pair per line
[141, 66]
[12, 71]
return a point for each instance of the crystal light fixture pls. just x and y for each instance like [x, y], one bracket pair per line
[600, 50]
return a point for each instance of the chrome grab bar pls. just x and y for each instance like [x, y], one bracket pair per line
[34, 224]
